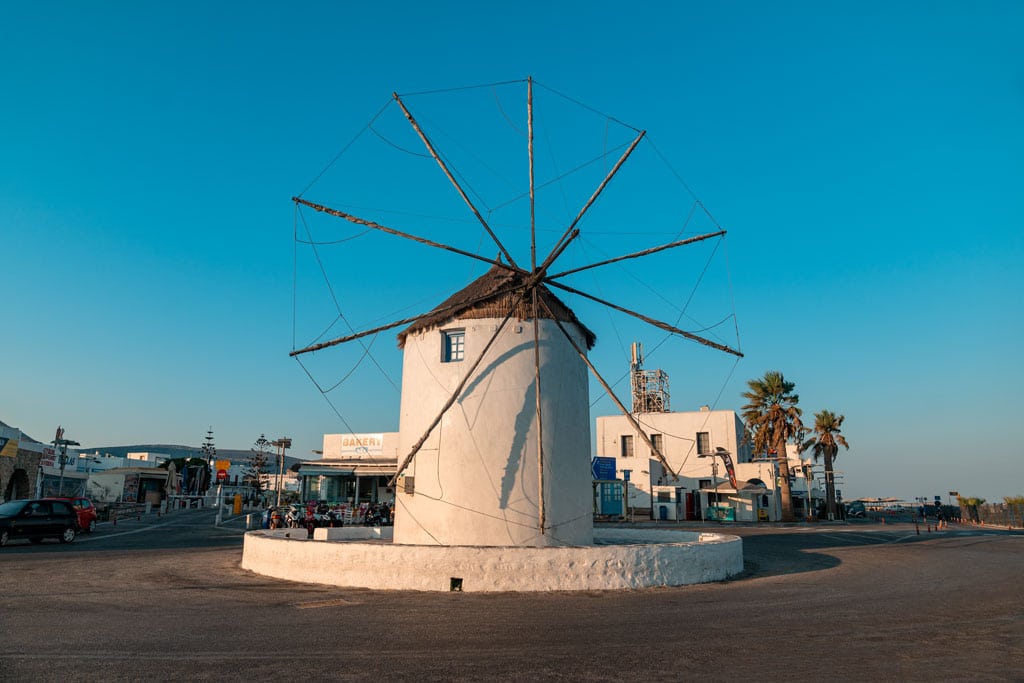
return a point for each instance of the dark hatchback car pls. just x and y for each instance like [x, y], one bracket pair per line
[38, 519]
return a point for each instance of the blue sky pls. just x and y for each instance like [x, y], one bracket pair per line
[867, 161]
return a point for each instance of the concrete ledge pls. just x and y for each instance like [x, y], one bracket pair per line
[619, 558]
[353, 533]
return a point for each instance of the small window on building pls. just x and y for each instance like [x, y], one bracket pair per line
[704, 484]
[703, 443]
[657, 441]
[664, 496]
[454, 345]
[627, 446]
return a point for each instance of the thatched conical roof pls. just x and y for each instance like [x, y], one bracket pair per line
[496, 304]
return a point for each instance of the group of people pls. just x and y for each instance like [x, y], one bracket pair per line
[317, 514]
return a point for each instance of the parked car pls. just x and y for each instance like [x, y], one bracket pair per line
[37, 519]
[85, 509]
[855, 509]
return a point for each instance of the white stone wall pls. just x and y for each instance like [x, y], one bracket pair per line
[627, 558]
[475, 479]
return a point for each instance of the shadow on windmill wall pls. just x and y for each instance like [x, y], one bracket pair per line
[524, 418]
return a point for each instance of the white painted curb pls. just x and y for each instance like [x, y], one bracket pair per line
[620, 558]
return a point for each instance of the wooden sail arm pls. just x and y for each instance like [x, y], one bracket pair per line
[391, 231]
[403, 321]
[541, 272]
[451, 178]
[458, 391]
[607, 388]
[638, 254]
[650, 321]
[600, 188]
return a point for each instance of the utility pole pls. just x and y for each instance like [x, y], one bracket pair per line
[59, 442]
[282, 444]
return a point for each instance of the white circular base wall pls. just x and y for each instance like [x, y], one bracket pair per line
[620, 558]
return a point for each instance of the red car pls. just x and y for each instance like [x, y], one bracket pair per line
[85, 510]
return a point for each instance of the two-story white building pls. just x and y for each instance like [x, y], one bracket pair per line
[711, 473]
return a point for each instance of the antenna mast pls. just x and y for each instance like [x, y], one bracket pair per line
[650, 387]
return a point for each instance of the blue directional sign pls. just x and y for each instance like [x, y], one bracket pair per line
[603, 469]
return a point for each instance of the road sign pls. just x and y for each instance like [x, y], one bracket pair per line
[625, 475]
[603, 469]
[222, 475]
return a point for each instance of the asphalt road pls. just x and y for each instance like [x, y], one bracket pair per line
[165, 599]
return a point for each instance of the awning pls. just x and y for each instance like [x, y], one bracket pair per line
[753, 490]
[349, 471]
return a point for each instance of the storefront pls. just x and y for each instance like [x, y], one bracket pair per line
[347, 481]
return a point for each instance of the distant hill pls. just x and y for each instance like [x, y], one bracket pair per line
[23, 436]
[177, 451]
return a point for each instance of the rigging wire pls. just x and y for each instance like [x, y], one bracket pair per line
[330, 242]
[732, 296]
[295, 272]
[673, 171]
[504, 114]
[587, 107]
[345, 148]
[396, 145]
[337, 305]
[326, 397]
[563, 176]
[435, 128]
[348, 374]
[461, 88]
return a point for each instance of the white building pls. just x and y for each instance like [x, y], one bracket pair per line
[354, 469]
[700, 448]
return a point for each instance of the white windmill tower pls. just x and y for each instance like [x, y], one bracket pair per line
[495, 421]
[478, 479]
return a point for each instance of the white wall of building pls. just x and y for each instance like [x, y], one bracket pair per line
[146, 459]
[679, 432]
[694, 474]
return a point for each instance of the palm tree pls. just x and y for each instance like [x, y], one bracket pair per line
[772, 418]
[825, 443]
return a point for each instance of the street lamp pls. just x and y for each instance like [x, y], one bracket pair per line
[283, 443]
[719, 452]
[60, 442]
[209, 452]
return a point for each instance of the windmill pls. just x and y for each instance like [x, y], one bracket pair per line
[497, 374]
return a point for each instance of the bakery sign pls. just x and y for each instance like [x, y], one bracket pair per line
[361, 445]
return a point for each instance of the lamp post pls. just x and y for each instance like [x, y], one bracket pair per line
[719, 451]
[209, 452]
[283, 443]
[60, 442]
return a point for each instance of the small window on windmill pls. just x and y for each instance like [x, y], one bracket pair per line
[453, 345]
